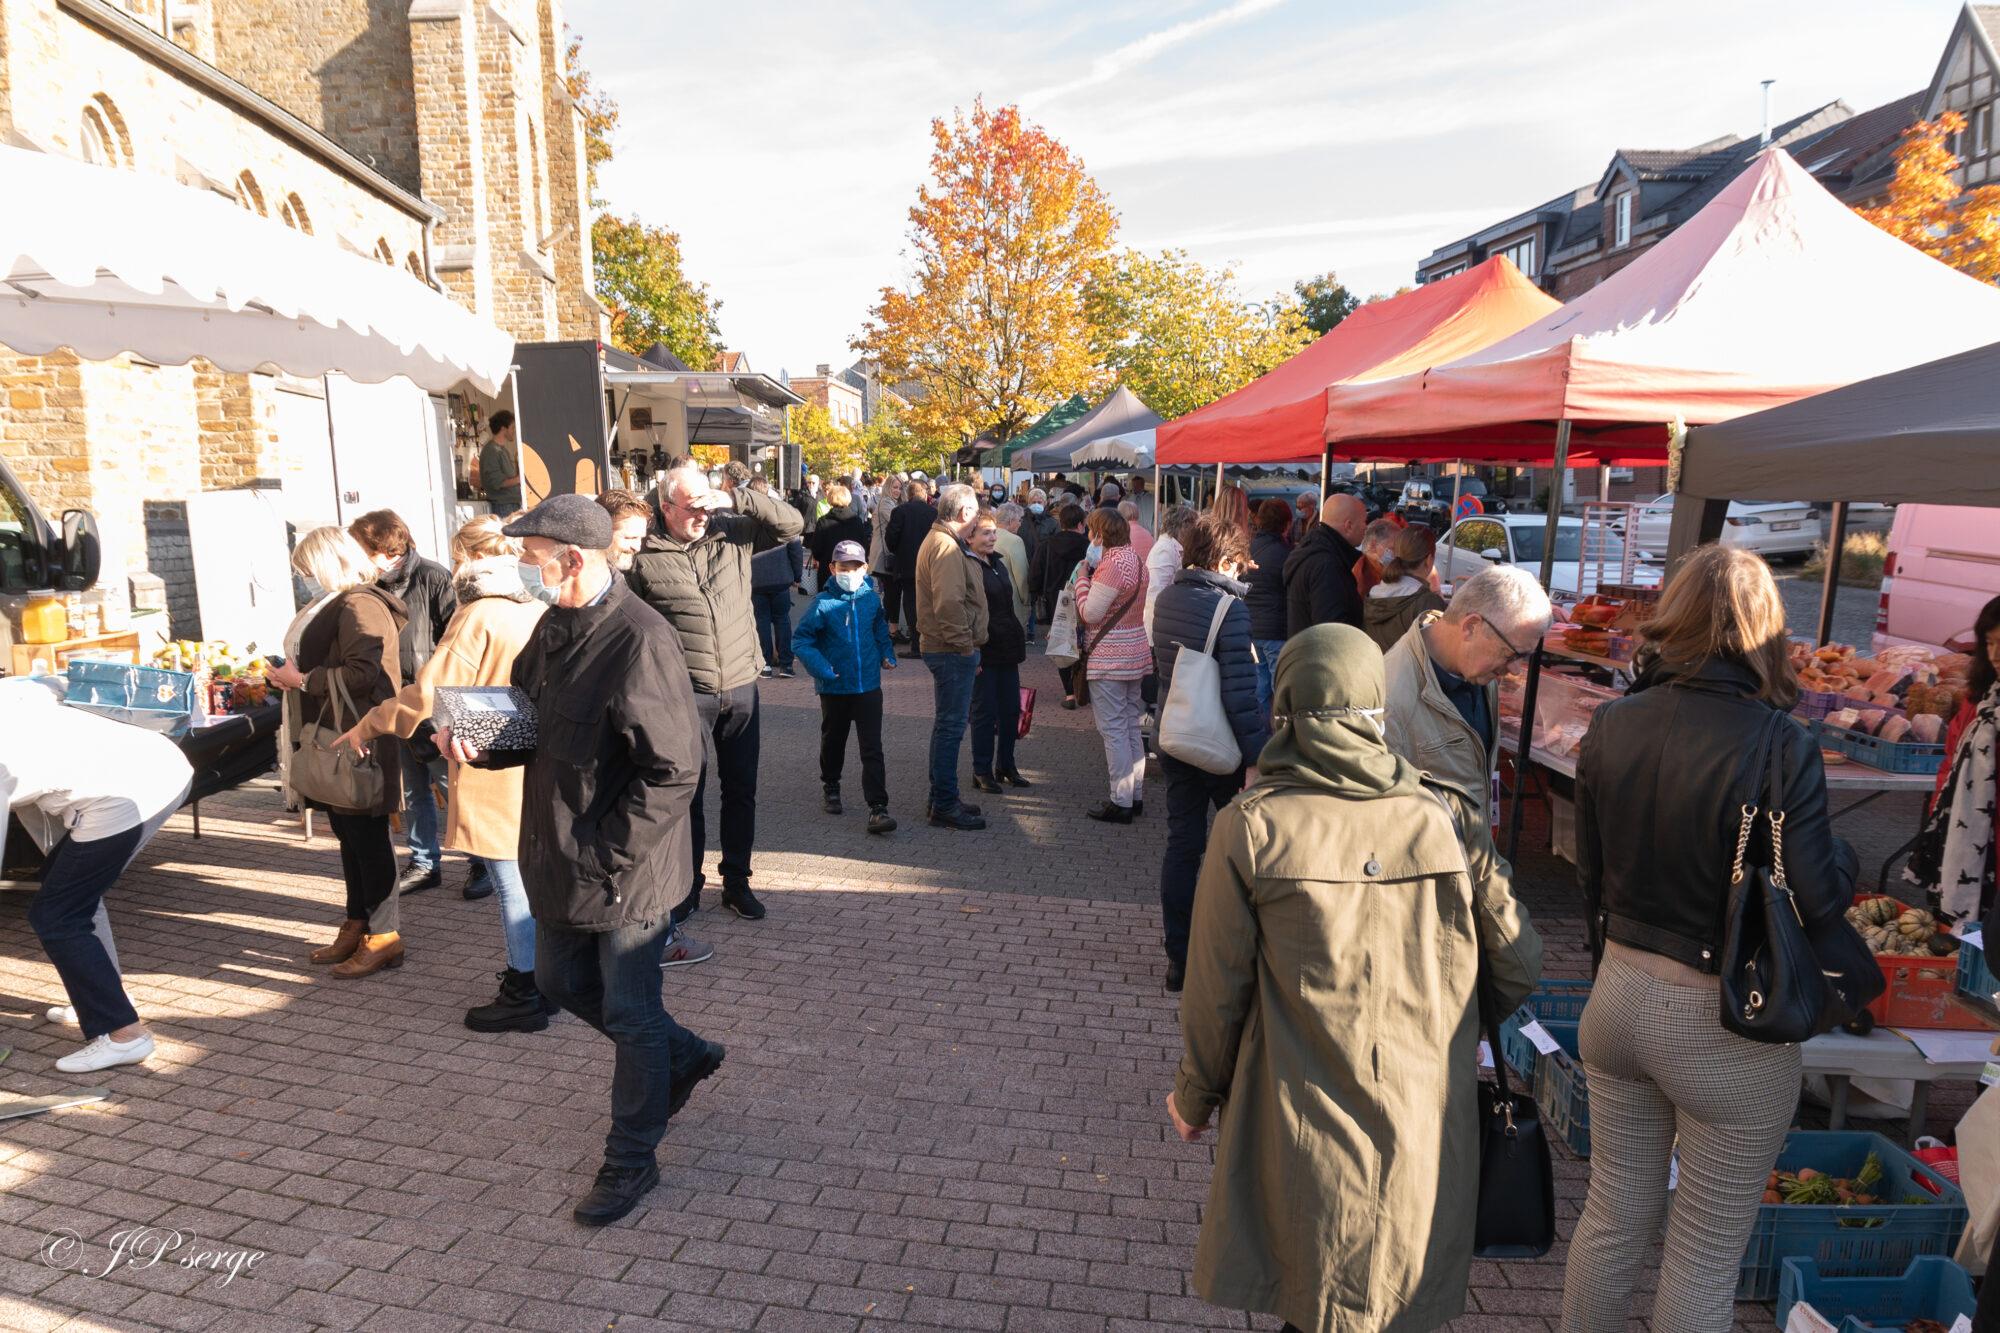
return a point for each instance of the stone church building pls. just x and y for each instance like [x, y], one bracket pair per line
[436, 136]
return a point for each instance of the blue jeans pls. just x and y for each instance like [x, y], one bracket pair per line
[611, 980]
[420, 813]
[774, 624]
[1267, 670]
[996, 716]
[516, 922]
[952, 675]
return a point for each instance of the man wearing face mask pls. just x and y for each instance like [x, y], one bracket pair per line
[605, 807]
[694, 569]
[424, 587]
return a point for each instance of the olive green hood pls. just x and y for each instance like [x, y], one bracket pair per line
[1327, 704]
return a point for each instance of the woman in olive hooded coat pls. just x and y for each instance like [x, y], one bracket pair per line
[1329, 1013]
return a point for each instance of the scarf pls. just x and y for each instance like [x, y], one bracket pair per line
[1327, 702]
[1953, 857]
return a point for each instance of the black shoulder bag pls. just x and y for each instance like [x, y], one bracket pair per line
[1517, 1181]
[1782, 981]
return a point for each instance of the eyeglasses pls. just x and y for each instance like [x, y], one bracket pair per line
[1517, 654]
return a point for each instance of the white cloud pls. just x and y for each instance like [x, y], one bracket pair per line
[1108, 67]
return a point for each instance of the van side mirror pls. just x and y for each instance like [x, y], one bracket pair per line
[1491, 553]
[82, 552]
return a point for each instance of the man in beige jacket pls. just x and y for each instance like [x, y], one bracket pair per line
[951, 623]
[1443, 680]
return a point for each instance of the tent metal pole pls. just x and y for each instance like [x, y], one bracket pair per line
[1159, 501]
[1836, 545]
[1524, 744]
[1325, 475]
[520, 445]
[1451, 519]
[1218, 479]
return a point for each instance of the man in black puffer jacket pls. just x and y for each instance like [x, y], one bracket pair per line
[911, 522]
[1215, 552]
[694, 569]
[424, 587]
[1320, 586]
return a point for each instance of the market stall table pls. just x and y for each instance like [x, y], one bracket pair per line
[1884, 1053]
[229, 752]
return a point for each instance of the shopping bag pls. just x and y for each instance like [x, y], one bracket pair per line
[1194, 726]
[334, 777]
[1061, 647]
[1027, 719]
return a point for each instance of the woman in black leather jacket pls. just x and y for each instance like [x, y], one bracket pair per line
[1661, 782]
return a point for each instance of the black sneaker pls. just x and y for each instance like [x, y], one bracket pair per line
[519, 1007]
[479, 883]
[616, 1193]
[960, 818]
[786, 673]
[701, 1067]
[963, 808]
[830, 802]
[1176, 976]
[766, 673]
[880, 820]
[743, 902]
[416, 878]
[1110, 812]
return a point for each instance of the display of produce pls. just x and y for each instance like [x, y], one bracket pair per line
[1887, 927]
[1810, 1187]
[233, 679]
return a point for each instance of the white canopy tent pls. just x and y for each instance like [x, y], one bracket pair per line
[1134, 449]
[104, 261]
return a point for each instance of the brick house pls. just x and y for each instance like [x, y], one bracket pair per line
[436, 136]
[852, 396]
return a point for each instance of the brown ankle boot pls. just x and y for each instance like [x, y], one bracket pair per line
[376, 952]
[344, 944]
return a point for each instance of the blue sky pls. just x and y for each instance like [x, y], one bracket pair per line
[785, 140]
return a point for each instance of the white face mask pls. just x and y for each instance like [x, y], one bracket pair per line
[851, 580]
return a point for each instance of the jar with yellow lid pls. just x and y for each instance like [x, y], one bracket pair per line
[45, 620]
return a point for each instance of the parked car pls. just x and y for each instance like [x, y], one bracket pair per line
[38, 556]
[1770, 528]
[1516, 539]
[1943, 566]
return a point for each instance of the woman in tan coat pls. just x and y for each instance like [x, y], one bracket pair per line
[483, 818]
[1329, 1013]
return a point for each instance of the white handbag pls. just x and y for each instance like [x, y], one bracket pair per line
[1194, 728]
[1063, 626]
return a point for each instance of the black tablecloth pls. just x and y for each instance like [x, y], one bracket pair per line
[232, 751]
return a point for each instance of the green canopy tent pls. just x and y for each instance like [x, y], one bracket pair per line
[1048, 424]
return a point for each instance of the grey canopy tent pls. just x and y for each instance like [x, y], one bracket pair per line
[1120, 413]
[1929, 434]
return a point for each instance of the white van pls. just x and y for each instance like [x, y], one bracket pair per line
[1943, 566]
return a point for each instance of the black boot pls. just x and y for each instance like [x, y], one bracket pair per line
[985, 782]
[478, 883]
[831, 801]
[1012, 777]
[703, 1065]
[519, 1007]
[616, 1193]
[880, 820]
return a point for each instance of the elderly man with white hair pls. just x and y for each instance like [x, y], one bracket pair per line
[694, 568]
[952, 619]
[1443, 680]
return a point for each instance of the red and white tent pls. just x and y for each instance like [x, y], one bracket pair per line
[1774, 291]
[1278, 417]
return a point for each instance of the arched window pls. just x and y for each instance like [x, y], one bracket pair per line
[415, 264]
[293, 214]
[104, 139]
[249, 194]
[383, 252]
[537, 214]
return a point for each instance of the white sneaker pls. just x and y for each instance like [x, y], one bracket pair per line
[103, 1053]
[62, 1013]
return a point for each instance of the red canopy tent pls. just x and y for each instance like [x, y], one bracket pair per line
[1773, 292]
[1279, 417]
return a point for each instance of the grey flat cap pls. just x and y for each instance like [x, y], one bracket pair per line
[574, 520]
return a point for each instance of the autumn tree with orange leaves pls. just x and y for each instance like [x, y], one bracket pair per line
[1005, 240]
[1926, 208]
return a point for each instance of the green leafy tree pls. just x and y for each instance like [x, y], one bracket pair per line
[888, 444]
[826, 447]
[640, 279]
[599, 110]
[1180, 335]
[1325, 301]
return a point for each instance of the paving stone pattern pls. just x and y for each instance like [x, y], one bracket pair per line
[941, 1107]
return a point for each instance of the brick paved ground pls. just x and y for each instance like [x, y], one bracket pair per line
[941, 1108]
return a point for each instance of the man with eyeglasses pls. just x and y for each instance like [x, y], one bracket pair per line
[694, 569]
[1443, 675]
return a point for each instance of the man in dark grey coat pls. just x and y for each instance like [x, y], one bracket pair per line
[604, 826]
[694, 569]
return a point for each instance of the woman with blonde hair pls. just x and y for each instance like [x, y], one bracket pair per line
[342, 653]
[1111, 603]
[495, 617]
[1662, 779]
[1233, 503]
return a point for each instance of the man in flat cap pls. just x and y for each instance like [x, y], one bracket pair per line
[604, 825]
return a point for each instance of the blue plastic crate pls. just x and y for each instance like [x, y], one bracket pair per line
[1930, 1288]
[1856, 1240]
[1889, 756]
[1975, 974]
[1561, 1089]
[1551, 1002]
[141, 689]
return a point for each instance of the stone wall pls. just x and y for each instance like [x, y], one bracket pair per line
[170, 555]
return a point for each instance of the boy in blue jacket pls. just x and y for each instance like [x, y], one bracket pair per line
[843, 643]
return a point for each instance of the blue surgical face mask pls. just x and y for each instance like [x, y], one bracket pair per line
[531, 582]
[1036, 509]
[851, 580]
[1095, 553]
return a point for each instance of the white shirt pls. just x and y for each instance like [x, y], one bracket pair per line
[64, 771]
[1162, 563]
